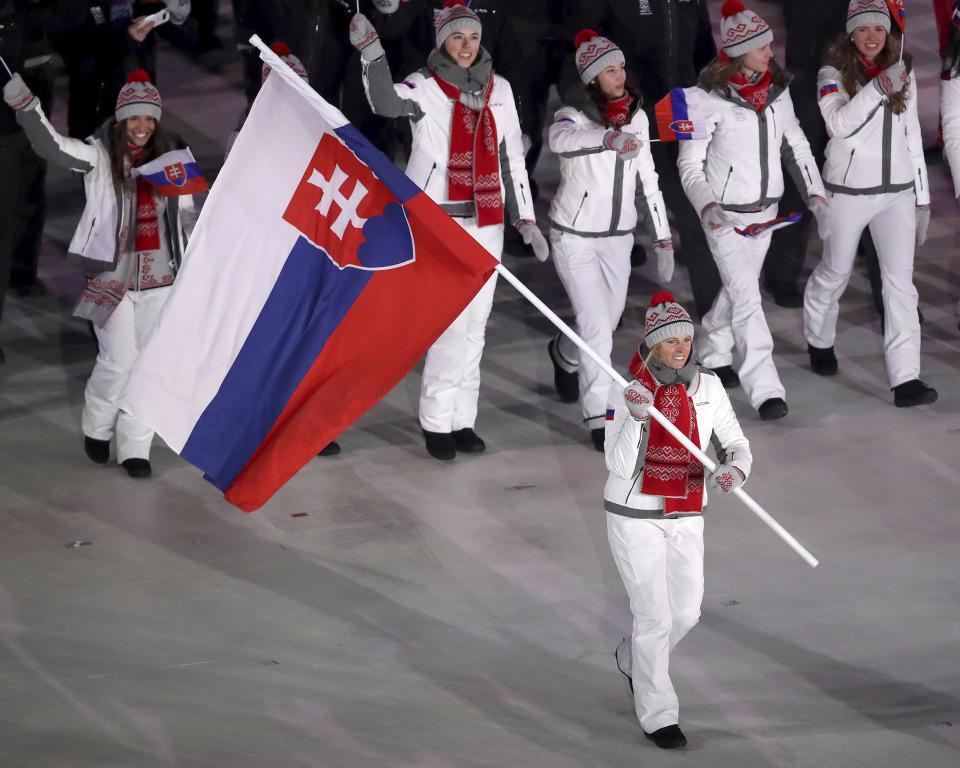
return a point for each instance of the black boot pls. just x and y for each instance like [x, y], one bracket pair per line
[566, 383]
[668, 737]
[331, 449]
[468, 441]
[137, 467]
[772, 409]
[822, 360]
[98, 451]
[440, 445]
[597, 436]
[913, 392]
[728, 376]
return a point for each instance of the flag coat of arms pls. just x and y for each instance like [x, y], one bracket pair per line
[174, 173]
[316, 277]
[680, 116]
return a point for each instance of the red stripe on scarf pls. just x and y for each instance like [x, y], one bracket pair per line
[473, 168]
[870, 68]
[147, 236]
[755, 94]
[669, 469]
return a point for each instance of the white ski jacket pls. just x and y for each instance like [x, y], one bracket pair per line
[871, 150]
[599, 193]
[950, 119]
[626, 446]
[739, 164]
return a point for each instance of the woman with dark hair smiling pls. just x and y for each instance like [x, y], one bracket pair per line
[130, 241]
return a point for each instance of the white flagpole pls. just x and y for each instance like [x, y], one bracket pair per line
[333, 115]
[667, 424]
[6, 67]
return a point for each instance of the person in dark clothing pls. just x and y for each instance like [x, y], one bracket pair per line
[666, 43]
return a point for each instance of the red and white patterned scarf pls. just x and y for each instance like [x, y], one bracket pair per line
[473, 168]
[618, 110]
[870, 68]
[147, 236]
[669, 469]
[755, 94]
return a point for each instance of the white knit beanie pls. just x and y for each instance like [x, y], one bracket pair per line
[594, 54]
[861, 12]
[665, 318]
[453, 16]
[742, 31]
[138, 97]
[292, 61]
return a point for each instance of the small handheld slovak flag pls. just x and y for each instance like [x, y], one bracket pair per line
[174, 173]
[899, 13]
[680, 116]
[755, 230]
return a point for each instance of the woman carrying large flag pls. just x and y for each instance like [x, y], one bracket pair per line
[130, 241]
[735, 180]
[467, 155]
[877, 178]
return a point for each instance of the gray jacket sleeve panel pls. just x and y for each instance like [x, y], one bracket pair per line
[383, 97]
[72, 154]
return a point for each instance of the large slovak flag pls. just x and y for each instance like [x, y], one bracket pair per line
[317, 275]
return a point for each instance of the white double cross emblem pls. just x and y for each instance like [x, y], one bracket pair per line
[331, 194]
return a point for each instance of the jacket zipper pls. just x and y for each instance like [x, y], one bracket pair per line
[633, 485]
[430, 175]
[89, 235]
[580, 208]
[849, 163]
[727, 181]
[523, 195]
[773, 116]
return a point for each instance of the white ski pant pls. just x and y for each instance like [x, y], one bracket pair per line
[661, 564]
[735, 322]
[120, 340]
[892, 218]
[450, 386]
[595, 272]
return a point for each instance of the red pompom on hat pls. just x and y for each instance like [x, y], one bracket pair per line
[453, 16]
[594, 54]
[665, 318]
[741, 30]
[283, 51]
[138, 97]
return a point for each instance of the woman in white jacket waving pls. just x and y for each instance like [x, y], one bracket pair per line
[735, 180]
[877, 178]
[655, 498]
[467, 155]
[605, 163]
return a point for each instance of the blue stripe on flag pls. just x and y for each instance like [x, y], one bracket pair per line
[159, 179]
[678, 100]
[307, 303]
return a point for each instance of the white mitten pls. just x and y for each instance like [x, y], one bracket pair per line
[725, 478]
[821, 212]
[626, 145]
[532, 236]
[639, 400]
[892, 79]
[364, 38]
[16, 93]
[715, 217]
[664, 251]
[923, 221]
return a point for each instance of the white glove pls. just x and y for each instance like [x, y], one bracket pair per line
[386, 6]
[16, 93]
[725, 478]
[821, 212]
[923, 221]
[364, 38]
[625, 144]
[715, 217]
[664, 251]
[892, 79]
[639, 400]
[533, 237]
